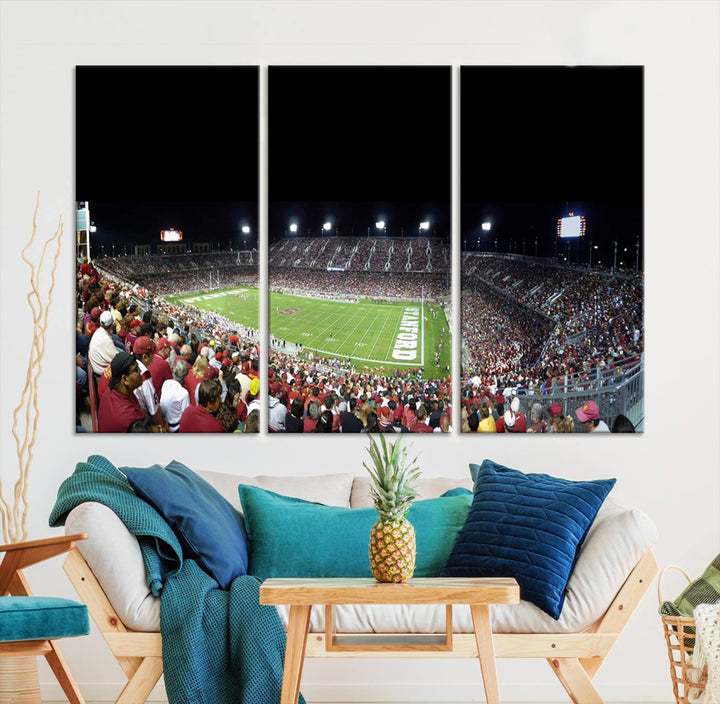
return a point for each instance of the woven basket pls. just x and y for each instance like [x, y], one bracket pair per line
[680, 640]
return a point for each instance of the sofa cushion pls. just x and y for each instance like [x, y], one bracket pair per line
[113, 554]
[328, 489]
[526, 526]
[289, 537]
[210, 530]
[40, 617]
[617, 539]
[427, 488]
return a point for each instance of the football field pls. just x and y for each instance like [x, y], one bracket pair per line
[389, 335]
[239, 304]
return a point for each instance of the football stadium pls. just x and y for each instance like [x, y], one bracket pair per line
[360, 323]
[198, 314]
[542, 337]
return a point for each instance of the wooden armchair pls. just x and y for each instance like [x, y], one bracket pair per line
[30, 625]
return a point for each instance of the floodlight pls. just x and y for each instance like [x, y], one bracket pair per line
[93, 228]
[327, 226]
[293, 227]
[380, 224]
[246, 229]
[425, 225]
[486, 226]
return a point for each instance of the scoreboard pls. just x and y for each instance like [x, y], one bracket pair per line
[571, 226]
[171, 235]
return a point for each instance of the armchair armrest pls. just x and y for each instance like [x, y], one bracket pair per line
[21, 555]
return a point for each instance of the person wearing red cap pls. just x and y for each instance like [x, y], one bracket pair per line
[144, 349]
[200, 418]
[159, 366]
[555, 413]
[589, 415]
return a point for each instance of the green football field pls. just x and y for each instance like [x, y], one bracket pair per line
[390, 335]
[239, 304]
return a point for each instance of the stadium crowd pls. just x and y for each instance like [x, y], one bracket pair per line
[533, 327]
[174, 274]
[147, 365]
[419, 254]
[354, 284]
[305, 397]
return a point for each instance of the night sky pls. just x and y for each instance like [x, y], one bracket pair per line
[354, 144]
[147, 137]
[538, 142]
[179, 146]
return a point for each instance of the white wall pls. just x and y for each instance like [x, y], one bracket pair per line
[672, 471]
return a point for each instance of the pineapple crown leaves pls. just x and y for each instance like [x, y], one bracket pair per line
[393, 476]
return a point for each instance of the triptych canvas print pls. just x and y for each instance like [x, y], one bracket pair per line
[356, 272]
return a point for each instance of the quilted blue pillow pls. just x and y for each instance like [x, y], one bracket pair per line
[209, 529]
[526, 526]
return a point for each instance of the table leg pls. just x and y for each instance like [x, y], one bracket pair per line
[298, 627]
[486, 651]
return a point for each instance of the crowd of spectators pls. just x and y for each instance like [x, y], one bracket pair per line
[530, 322]
[175, 274]
[156, 366]
[353, 284]
[371, 254]
[306, 397]
[502, 411]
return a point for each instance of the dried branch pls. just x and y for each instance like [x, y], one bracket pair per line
[13, 517]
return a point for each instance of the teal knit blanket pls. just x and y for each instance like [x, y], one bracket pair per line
[219, 646]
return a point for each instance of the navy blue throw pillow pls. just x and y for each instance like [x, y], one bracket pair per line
[209, 529]
[526, 526]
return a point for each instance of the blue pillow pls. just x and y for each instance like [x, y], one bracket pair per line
[289, 537]
[526, 526]
[209, 529]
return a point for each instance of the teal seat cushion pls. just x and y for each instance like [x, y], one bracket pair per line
[289, 537]
[41, 617]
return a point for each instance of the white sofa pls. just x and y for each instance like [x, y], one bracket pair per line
[613, 570]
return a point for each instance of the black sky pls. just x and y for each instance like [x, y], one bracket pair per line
[154, 135]
[356, 142]
[537, 142]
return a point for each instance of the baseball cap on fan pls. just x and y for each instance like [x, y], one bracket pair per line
[144, 345]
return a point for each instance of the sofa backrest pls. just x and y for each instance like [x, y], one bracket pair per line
[328, 489]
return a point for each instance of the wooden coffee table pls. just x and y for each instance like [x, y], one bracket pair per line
[302, 594]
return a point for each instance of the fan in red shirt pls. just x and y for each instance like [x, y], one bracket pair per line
[119, 406]
[199, 419]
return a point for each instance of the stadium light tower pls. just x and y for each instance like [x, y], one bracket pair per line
[380, 226]
[425, 225]
[293, 227]
[486, 226]
[246, 229]
[327, 226]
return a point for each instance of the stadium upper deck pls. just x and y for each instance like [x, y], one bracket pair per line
[372, 254]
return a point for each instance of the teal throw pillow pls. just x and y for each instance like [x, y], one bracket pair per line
[209, 529]
[289, 537]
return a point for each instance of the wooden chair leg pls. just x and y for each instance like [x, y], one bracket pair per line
[486, 651]
[592, 666]
[62, 674]
[575, 680]
[142, 682]
[298, 626]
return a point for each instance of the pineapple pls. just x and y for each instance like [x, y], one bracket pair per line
[392, 539]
